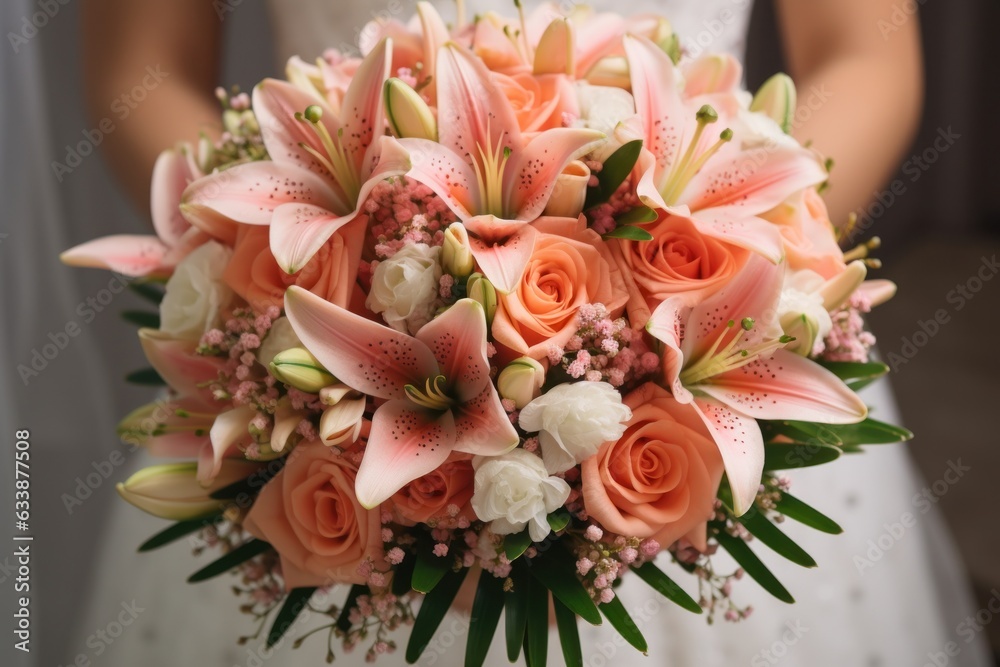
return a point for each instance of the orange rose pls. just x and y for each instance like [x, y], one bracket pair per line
[539, 101]
[254, 274]
[810, 240]
[427, 499]
[310, 514]
[660, 478]
[677, 262]
[564, 273]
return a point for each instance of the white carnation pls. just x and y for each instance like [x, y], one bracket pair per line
[573, 420]
[405, 287]
[196, 295]
[514, 490]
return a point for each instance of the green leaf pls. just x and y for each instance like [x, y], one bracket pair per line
[640, 215]
[536, 635]
[797, 455]
[569, 635]
[765, 531]
[614, 172]
[177, 531]
[516, 611]
[558, 520]
[142, 318]
[795, 509]
[630, 233]
[429, 569]
[556, 570]
[869, 432]
[145, 376]
[753, 566]
[800, 432]
[856, 375]
[486, 608]
[402, 576]
[623, 623]
[295, 602]
[239, 555]
[344, 620]
[666, 587]
[515, 544]
[148, 290]
[432, 611]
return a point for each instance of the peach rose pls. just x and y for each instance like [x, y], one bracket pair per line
[311, 516]
[539, 101]
[254, 274]
[433, 497]
[677, 262]
[810, 239]
[660, 478]
[564, 273]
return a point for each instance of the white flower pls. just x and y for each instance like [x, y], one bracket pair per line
[196, 294]
[279, 338]
[514, 490]
[405, 287]
[573, 420]
[802, 312]
[610, 110]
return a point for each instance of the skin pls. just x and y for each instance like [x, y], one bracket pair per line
[832, 46]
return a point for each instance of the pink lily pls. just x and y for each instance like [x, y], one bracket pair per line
[436, 386]
[323, 164]
[724, 357]
[148, 255]
[721, 181]
[495, 180]
[415, 45]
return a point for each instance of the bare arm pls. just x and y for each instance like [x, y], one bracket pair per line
[860, 83]
[180, 42]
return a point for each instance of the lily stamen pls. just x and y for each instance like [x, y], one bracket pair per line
[715, 362]
[336, 160]
[691, 163]
[433, 396]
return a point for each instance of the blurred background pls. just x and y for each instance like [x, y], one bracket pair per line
[939, 219]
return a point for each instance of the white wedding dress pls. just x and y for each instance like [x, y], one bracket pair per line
[900, 612]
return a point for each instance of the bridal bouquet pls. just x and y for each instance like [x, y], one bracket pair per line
[532, 305]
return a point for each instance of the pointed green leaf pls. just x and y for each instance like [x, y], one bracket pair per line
[177, 531]
[558, 520]
[765, 531]
[800, 432]
[344, 620]
[536, 635]
[239, 555]
[623, 623]
[145, 376]
[556, 570]
[296, 600]
[857, 375]
[429, 569]
[569, 635]
[515, 544]
[402, 575]
[869, 432]
[753, 566]
[787, 457]
[794, 508]
[516, 611]
[148, 289]
[614, 172]
[630, 233]
[486, 608]
[142, 318]
[432, 611]
[666, 587]
[640, 215]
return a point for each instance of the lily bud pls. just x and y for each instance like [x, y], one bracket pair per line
[838, 290]
[555, 53]
[570, 191]
[482, 290]
[341, 423]
[521, 381]
[610, 71]
[306, 76]
[665, 37]
[300, 369]
[172, 491]
[408, 114]
[456, 256]
[777, 98]
[804, 328]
